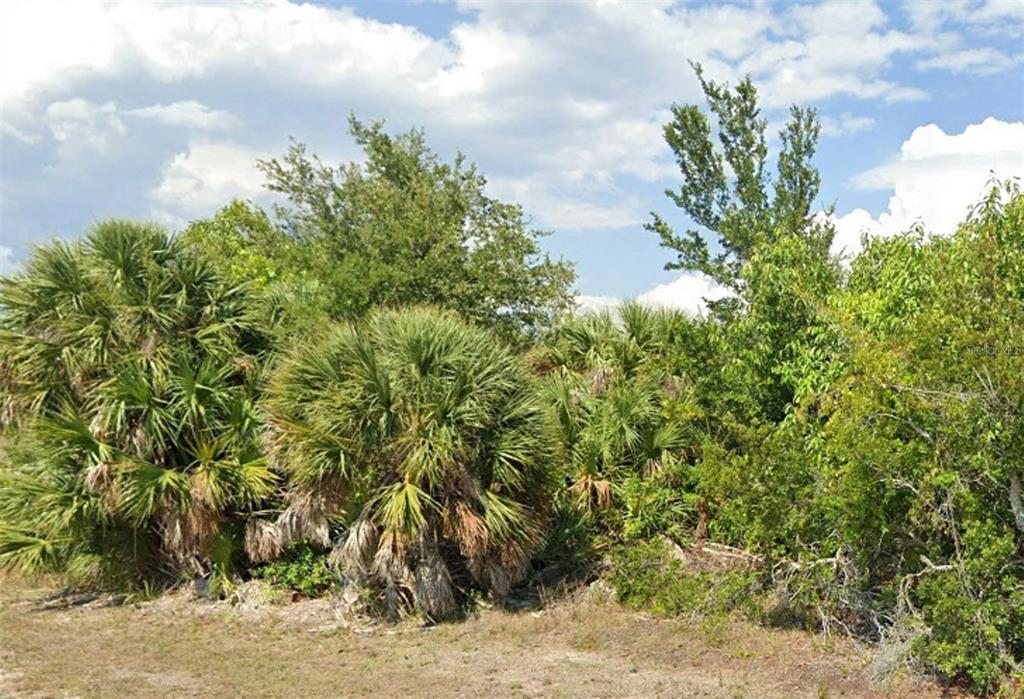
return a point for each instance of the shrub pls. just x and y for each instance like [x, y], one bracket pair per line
[302, 569]
[420, 436]
[647, 577]
[130, 370]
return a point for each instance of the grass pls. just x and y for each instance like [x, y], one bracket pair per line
[175, 647]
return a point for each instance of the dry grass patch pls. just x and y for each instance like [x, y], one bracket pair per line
[176, 647]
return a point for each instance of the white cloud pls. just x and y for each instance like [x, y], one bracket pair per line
[994, 16]
[13, 131]
[981, 61]
[80, 126]
[206, 177]
[689, 293]
[561, 103]
[846, 125]
[187, 113]
[595, 304]
[936, 178]
[7, 263]
[565, 211]
[43, 42]
[836, 47]
[531, 91]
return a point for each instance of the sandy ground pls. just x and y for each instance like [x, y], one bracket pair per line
[177, 647]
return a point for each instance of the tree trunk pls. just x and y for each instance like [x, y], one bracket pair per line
[1015, 501]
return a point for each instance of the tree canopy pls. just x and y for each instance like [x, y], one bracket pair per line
[727, 190]
[401, 227]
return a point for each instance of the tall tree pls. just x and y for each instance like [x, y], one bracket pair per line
[727, 190]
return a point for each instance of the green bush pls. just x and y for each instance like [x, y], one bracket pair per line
[421, 435]
[129, 372]
[302, 569]
[645, 576]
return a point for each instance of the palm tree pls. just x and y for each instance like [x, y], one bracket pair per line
[608, 381]
[422, 436]
[130, 370]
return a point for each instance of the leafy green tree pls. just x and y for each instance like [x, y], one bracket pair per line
[773, 252]
[422, 436]
[405, 228]
[129, 369]
[243, 243]
[287, 296]
[925, 434]
[727, 191]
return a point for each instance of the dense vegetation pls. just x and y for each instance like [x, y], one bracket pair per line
[378, 387]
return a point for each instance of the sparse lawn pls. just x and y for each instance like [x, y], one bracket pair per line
[176, 647]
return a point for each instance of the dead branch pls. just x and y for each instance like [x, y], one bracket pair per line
[912, 578]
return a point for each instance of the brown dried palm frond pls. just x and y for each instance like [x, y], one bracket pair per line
[305, 519]
[499, 568]
[137, 441]
[245, 364]
[600, 380]
[200, 488]
[466, 527]
[102, 480]
[652, 467]
[186, 535]
[433, 592]
[593, 491]
[98, 426]
[391, 560]
[100, 477]
[149, 345]
[355, 556]
[203, 523]
[391, 569]
[262, 540]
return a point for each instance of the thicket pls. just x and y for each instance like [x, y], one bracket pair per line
[377, 387]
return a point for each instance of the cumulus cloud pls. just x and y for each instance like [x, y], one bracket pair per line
[187, 113]
[690, 292]
[530, 91]
[935, 179]
[207, 176]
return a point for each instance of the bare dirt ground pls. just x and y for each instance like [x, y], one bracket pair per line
[177, 647]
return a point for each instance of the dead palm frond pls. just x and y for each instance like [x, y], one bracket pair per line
[262, 540]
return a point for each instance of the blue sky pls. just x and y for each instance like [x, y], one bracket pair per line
[157, 110]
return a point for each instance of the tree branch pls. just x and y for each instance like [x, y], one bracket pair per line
[1016, 504]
